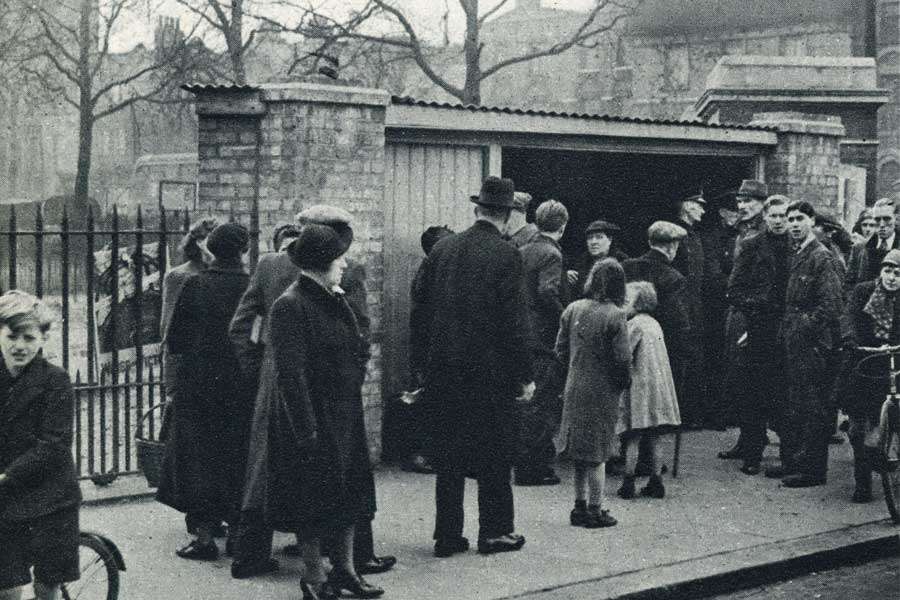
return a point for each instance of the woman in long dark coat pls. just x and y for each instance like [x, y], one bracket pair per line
[206, 448]
[319, 475]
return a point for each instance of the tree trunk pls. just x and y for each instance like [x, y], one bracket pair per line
[472, 49]
[234, 38]
[85, 105]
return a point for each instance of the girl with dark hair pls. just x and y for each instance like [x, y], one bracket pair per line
[593, 343]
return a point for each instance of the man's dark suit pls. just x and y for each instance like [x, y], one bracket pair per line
[474, 339]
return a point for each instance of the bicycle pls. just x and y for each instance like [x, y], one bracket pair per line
[887, 436]
[100, 562]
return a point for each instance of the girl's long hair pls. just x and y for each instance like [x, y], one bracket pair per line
[606, 282]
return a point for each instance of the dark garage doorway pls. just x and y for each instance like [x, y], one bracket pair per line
[632, 190]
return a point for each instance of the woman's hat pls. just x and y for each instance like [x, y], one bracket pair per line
[601, 226]
[891, 258]
[317, 247]
[228, 240]
[325, 214]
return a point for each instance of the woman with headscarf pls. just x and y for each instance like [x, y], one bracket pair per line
[593, 343]
[871, 318]
[203, 466]
[319, 478]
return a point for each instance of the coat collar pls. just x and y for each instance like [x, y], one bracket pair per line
[482, 225]
[226, 266]
[655, 255]
[807, 250]
[15, 389]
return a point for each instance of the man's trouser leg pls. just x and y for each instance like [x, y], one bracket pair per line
[449, 493]
[814, 411]
[540, 419]
[363, 542]
[495, 501]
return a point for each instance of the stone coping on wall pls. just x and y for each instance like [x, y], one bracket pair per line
[796, 122]
[757, 72]
[323, 93]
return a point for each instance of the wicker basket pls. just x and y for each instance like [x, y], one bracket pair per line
[150, 452]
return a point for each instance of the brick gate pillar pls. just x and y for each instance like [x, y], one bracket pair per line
[285, 147]
[806, 163]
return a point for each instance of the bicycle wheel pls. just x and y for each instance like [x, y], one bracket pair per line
[99, 572]
[890, 448]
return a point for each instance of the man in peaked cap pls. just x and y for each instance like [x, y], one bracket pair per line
[249, 334]
[476, 362]
[690, 262]
[750, 197]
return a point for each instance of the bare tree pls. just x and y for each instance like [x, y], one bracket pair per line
[69, 57]
[316, 23]
[12, 32]
[227, 18]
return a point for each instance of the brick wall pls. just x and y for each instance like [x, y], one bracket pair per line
[318, 144]
[806, 163]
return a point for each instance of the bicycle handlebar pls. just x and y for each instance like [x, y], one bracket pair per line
[885, 349]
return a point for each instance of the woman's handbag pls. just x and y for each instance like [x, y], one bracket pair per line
[150, 452]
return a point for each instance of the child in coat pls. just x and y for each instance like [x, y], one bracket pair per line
[593, 343]
[650, 405]
[39, 494]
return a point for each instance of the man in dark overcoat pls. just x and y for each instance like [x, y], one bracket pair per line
[546, 293]
[865, 258]
[249, 333]
[757, 289]
[477, 363]
[672, 309]
[718, 252]
[812, 311]
[690, 262]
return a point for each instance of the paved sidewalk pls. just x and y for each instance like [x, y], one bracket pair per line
[713, 520]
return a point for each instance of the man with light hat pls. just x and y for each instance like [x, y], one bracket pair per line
[477, 362]
[520, 231]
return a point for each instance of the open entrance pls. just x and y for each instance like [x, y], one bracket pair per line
[632, 190]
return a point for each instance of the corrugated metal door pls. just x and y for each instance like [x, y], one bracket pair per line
[425, 184]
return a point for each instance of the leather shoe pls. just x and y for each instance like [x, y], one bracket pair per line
[358, 587]
[531, 478]
[505, 543]
[750, 469]
[734, 454]
[197, 551]
[445, 547]
[241, 569]
[318, 591]
[376, 564]
[802, 480]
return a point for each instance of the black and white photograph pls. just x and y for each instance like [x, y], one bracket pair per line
[450, 299]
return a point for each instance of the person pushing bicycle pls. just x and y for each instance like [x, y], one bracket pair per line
[871, 318]
[39, 492]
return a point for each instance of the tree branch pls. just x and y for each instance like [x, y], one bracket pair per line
[487, 15]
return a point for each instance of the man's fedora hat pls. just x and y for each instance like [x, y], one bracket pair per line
[751, 188]
[496, 192]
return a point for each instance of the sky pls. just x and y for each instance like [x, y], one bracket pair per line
[138, 27]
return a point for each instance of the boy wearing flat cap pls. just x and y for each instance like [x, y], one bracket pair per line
[477, 362]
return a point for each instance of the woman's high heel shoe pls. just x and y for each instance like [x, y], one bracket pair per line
[357, 586]
[318, 591]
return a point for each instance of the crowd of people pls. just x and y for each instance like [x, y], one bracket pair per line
[523, 354]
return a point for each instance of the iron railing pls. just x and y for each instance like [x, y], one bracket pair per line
[117, 373]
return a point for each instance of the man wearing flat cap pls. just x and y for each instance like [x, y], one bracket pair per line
[690, 262]
[521, 232]
[600, 243]
[249, 333]
[476, 363]
[750, 197]
[546, 292]
[672, 313]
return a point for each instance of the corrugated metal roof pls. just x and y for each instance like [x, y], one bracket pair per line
[409, 101]
[217, 87]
